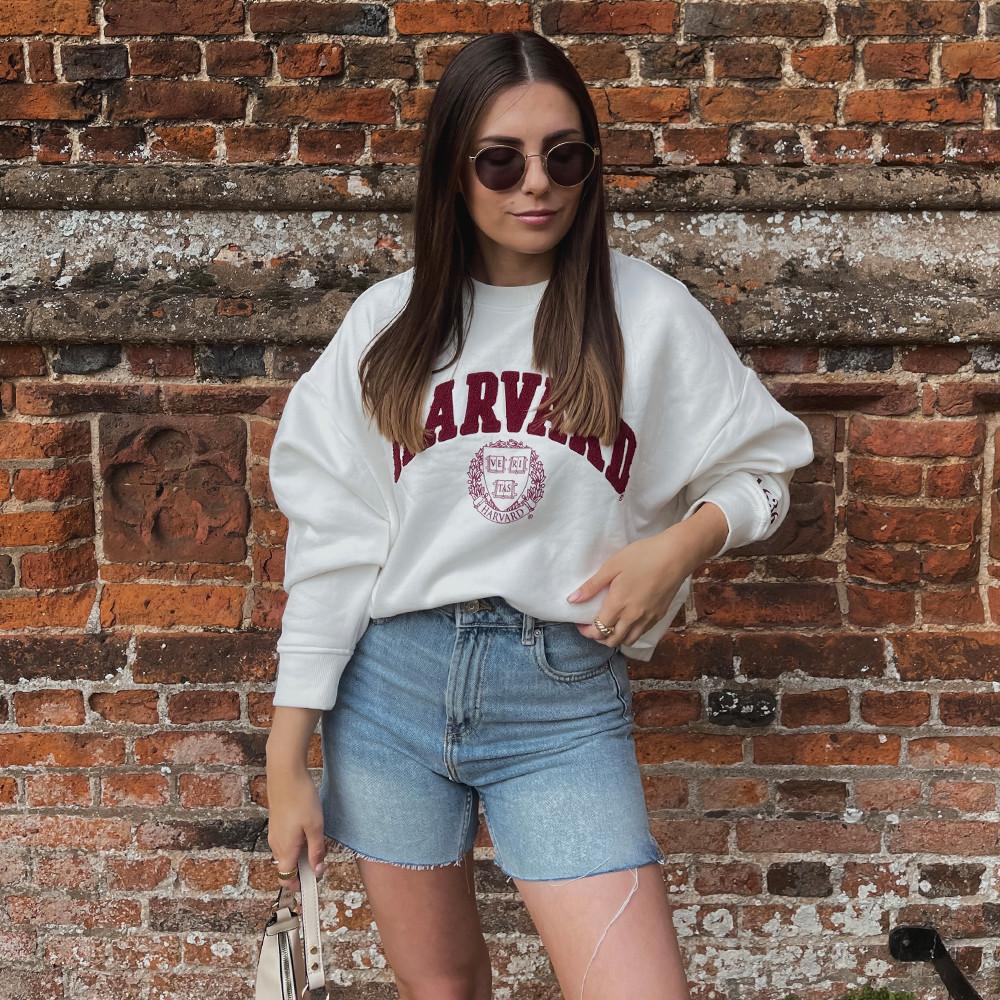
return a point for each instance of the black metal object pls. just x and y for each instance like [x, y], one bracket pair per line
[924, 944]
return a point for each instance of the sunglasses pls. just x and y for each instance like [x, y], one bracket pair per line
[567, 164]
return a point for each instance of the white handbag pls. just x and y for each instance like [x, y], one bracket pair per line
[290, 960]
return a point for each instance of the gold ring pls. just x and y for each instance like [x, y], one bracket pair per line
[602, 628]
[290, 874]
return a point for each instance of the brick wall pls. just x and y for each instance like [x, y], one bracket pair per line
[193, 193]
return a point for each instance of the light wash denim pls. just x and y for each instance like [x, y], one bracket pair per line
[443, 708]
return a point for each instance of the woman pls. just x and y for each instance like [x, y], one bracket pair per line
[522, 414]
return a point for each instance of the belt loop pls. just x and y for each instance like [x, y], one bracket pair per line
[527, 629]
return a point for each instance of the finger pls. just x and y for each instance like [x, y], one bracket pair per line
[611, 619]
[287, 861]
[316, 840]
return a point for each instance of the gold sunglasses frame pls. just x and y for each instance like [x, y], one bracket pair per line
[545, 162]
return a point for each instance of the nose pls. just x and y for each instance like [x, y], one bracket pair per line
[535, 178]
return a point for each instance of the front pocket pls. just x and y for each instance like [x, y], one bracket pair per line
[563, 654]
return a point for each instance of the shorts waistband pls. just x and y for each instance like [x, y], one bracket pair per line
[491, 611]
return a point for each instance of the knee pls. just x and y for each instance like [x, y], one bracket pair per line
[442, 989]
[474, 985]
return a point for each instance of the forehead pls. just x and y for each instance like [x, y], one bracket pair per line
[513, 140]
[533, 112]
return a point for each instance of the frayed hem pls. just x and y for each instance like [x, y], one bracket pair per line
[573, 878]
[353, 854]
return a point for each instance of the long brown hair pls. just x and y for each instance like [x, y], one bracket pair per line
[577, 338]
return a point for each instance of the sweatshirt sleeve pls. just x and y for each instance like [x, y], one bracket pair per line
[338, 539]
[748, 468]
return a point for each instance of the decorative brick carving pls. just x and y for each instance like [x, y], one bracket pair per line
[174, 488]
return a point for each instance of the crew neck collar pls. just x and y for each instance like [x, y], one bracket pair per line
[508, 296]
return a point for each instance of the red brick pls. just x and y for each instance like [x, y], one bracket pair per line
[291, 104]
[978, 60]
[255, 144]
[163, 57]
[732, 793]
[954, 751]
[11, 62]
[210, 791]
[921, 17]
[138, 707]
[43, 17]
[59, 750]
[976, 146]
[826, 749]
[815, 708]
[897, 60]
[763, 604]
[47, 527]
[841, 145]
[63, 101]
[912, 438]
[139, 788]
[880, 564]
[748, 61]
[934, 359]
[911, 145]
[15, 142]
[163, 606]
[879, 477]
[824, 63]
[21, 359]
[736, 105]
[59, 568]
[55, 144]
[310, 59]
[639, 17]
[597, 60]
[144, 100]
[683, 146]
[182, 142]
[112, 144]
[870, 608]
[57, 790]
[186, 707]
[241, 58]
[641, 104]
[886, 795]
[439, 17]
[953, 607]
[160, 360]
[173, 17]
[52, 707]
[965, 796]
[41, 62]
[930, 104]
[769, 836]
[895, 708]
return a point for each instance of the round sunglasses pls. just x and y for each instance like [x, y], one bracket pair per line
[567, 164]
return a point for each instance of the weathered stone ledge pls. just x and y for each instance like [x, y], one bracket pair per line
[391, 187]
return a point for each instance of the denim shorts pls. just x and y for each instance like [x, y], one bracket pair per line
[475, 703]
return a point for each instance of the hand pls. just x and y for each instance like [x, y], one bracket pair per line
[643, 577]
[295, 818]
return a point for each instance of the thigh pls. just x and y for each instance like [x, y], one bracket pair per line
[429, 926]
[609, 936]
[566, 799]
[385, 791]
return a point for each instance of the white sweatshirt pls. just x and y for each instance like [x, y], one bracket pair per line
[497, 504]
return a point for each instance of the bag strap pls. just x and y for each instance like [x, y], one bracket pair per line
[309, 895]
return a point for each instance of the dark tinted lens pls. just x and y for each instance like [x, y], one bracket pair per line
[499, 167]
[570, 163]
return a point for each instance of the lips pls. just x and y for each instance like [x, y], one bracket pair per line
[535, 215]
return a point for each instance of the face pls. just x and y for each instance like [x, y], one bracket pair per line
[532, 117]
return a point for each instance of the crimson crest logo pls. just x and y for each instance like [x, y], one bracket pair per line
[506, 480]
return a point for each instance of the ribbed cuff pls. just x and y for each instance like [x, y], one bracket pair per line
[309, 679]
[738, 497]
